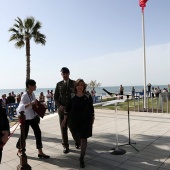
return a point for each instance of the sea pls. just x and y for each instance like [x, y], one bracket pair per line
[99, 90]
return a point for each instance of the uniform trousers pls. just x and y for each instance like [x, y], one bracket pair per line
[64, 131]
[36, 130]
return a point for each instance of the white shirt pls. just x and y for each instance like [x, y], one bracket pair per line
[26, 99]
[49, 97]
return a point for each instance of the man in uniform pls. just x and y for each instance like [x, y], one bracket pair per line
[62, 92]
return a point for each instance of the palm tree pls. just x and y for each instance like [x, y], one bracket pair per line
[23, 32]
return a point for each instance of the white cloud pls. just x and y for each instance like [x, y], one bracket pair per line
[126, 68]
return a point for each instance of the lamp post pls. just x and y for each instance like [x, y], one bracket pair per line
[142, 4]
[23, 158]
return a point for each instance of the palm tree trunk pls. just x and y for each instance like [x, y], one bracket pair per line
[27, 58]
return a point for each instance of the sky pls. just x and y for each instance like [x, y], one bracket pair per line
[96, 39]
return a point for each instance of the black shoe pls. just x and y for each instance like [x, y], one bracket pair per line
[82, 165]
[66, 150]
[77, 145]
[43, 156]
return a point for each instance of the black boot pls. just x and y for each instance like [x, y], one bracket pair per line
[81, 159]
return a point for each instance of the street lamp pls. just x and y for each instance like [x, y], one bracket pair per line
[142, 4]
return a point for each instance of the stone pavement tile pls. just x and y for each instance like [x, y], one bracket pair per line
[164, 139]
[70, 159]
[5, 158]
[163, 168]
[103, 163]
[130, 167]
[33, 161]
[90, 167]
[156, 151]
[162, 146]
[166, 164]
[60, 162]
[143, 163]
[151, 157]
[99, 147]
[5, 166]
[161, 155]
[12, 164]
[117, 158]
[52, 167]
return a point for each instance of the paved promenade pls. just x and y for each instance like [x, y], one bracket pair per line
[150, 131]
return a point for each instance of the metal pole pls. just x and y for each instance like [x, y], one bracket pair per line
[167, 101]
[23, 158]
[147, 104]
[144, 59]
[152, 104]
[162, 101]
[138, 103]
[157, 103]
[116, 128]
[134, 105]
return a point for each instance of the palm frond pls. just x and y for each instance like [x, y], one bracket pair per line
[29, 23]
[40, 41]
[19, 44]
[16, 25]
[16, 37]
[39, 38]
[37, 26]
[19, 21]
[13, 30]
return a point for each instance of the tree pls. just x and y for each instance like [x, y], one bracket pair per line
[93, 84]
[23, 32]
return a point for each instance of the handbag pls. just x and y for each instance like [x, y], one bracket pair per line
[39, 109]
[37, 119]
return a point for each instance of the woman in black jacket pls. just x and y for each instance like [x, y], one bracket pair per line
[4, 130]
[80, 111]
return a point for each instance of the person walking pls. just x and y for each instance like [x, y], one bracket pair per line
[149, 89]
[4, 130]
[48, 96]
[133, 92]
[62, 92]
[93, 94]
[80, 111]
[28, 100]
[121, 91]
[3, 103]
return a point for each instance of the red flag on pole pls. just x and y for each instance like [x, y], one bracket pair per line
[142, 4]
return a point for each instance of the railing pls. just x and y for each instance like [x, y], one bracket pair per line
[11, 110]
[158, 104]
[12, 107]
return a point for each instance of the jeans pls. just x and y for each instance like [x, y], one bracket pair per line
[50, 106]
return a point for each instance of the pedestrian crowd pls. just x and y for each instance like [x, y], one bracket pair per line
[151, 91]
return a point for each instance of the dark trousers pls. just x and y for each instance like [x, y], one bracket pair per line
[37, 133]
[64, 131]
[0, 154]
